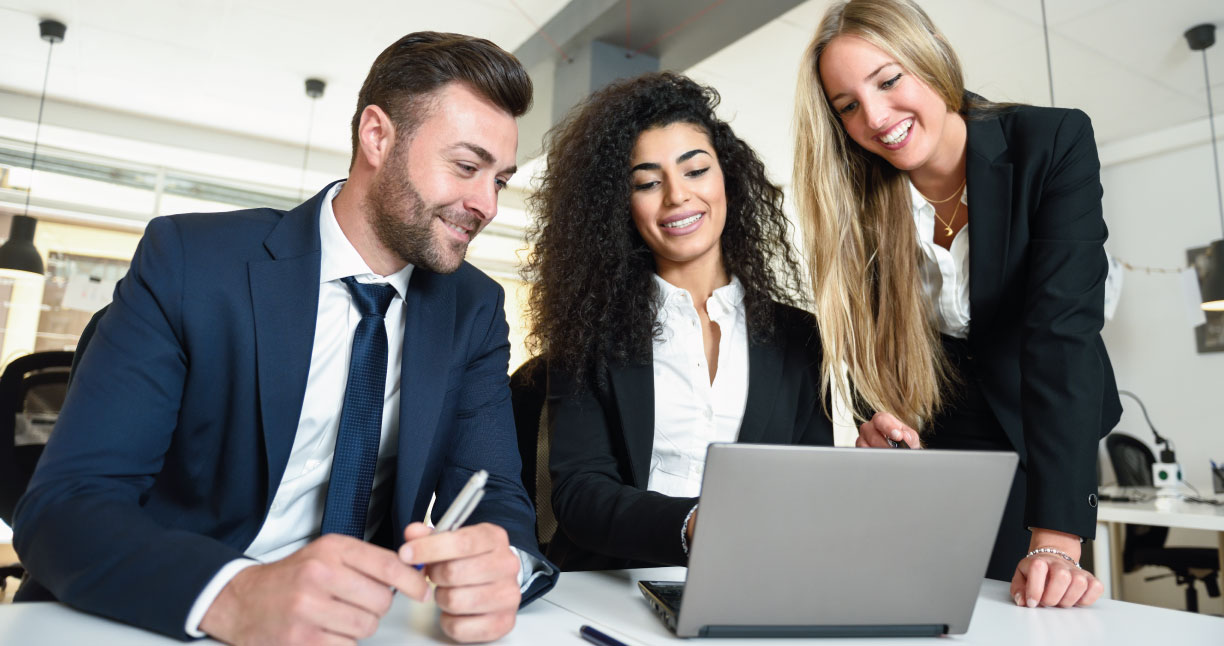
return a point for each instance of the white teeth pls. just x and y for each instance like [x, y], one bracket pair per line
[679, 224]
[456, 228]
[898, 133]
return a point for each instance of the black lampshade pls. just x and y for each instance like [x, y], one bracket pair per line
[18, 253]
[1213, 283]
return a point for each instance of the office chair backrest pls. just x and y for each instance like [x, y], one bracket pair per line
[528, 389]
[1132, 462]
[32, 391]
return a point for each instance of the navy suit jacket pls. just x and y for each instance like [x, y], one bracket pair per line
[175, 435]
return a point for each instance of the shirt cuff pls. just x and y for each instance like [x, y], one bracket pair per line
[210, 592]
[530, 569]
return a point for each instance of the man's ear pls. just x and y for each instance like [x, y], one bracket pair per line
[375, 136]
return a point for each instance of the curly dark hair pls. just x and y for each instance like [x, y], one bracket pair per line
[592, 300]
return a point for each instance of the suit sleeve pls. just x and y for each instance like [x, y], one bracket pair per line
[1061, 372]
[813, 425]
[595, 504]
[483, 437]
[80, 528]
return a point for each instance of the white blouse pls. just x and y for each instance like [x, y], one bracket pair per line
[689, 411]
[944, 272]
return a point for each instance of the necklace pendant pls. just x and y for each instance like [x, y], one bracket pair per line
[948, 231]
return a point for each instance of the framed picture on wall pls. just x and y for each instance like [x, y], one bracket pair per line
[1209, 337]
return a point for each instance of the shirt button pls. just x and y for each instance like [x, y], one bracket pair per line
[709, 413]
[1092, 500]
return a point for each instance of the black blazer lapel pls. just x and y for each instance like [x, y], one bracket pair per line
[989, 175]
[285, 300]
[633, 390]
[764, 381]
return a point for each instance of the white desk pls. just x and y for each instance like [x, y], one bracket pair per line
[611, 602]
[1112, 517]
[407, 623]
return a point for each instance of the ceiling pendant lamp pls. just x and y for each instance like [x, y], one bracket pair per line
[1200, 38]
[18, 252]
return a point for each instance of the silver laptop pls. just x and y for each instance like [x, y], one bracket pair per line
[812, 541]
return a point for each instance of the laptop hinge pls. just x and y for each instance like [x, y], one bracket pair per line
[897, 630]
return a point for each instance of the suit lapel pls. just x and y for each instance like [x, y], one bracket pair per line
[764, 381]
[633, 389]
[285, 300]
[429, 328]
[989, 176]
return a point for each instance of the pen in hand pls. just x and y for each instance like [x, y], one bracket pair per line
[462, 506]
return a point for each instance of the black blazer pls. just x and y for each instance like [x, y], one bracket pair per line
[1037, 272]
[602, 438]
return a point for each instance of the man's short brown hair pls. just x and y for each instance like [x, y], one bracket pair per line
[412, 68]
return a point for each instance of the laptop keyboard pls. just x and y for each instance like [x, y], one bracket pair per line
[667, 593]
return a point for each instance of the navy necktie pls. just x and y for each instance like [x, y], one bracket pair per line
[352, 473]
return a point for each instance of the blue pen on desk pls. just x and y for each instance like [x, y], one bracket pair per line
[463, 505]
[596, 637]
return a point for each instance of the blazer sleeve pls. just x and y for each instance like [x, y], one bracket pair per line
[1061, 373]
[81, 528]
[482, 436]
[594, 501]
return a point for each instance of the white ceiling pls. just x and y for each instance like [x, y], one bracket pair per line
[240, 66]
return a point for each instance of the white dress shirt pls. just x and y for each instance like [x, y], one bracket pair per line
[689, 411]
[944, 272]
[296, 515]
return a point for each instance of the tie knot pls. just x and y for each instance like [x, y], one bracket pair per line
[371, 300]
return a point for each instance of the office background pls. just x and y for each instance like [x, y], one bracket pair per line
[156, 107]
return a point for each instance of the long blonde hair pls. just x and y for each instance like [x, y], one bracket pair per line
[875, 321]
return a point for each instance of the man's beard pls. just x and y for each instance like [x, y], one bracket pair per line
[403, 222]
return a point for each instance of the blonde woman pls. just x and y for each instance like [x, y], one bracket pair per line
[957, 258]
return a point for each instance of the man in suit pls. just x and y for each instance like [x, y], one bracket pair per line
[219, 422]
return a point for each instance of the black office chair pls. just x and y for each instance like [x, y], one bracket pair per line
[528, 391]
[32, 391]
[1132, 463]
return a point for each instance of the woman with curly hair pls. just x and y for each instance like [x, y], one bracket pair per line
[959, 270]
[663, 290]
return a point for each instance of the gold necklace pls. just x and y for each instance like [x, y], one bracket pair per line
[948, 224]
[946, 199]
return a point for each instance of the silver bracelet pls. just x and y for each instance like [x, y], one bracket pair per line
[1051, 550]
[684, 529]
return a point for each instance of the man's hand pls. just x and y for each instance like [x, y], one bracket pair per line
[882, 427]
[333, 591]
[477, 577]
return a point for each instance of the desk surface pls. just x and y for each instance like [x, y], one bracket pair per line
[1164, 512]
[610, 600]
[407, 623]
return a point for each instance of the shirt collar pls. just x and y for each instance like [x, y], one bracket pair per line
[341, 260]
[725, 298]
[920, 208]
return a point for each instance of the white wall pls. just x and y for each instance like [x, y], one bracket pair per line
[1160, 199]
[1156, 207]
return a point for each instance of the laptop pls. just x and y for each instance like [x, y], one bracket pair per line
[830, 542]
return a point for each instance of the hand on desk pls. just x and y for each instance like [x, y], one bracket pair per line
[1049, 579]
[333, 591]
[882, 427]
[476, 574]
